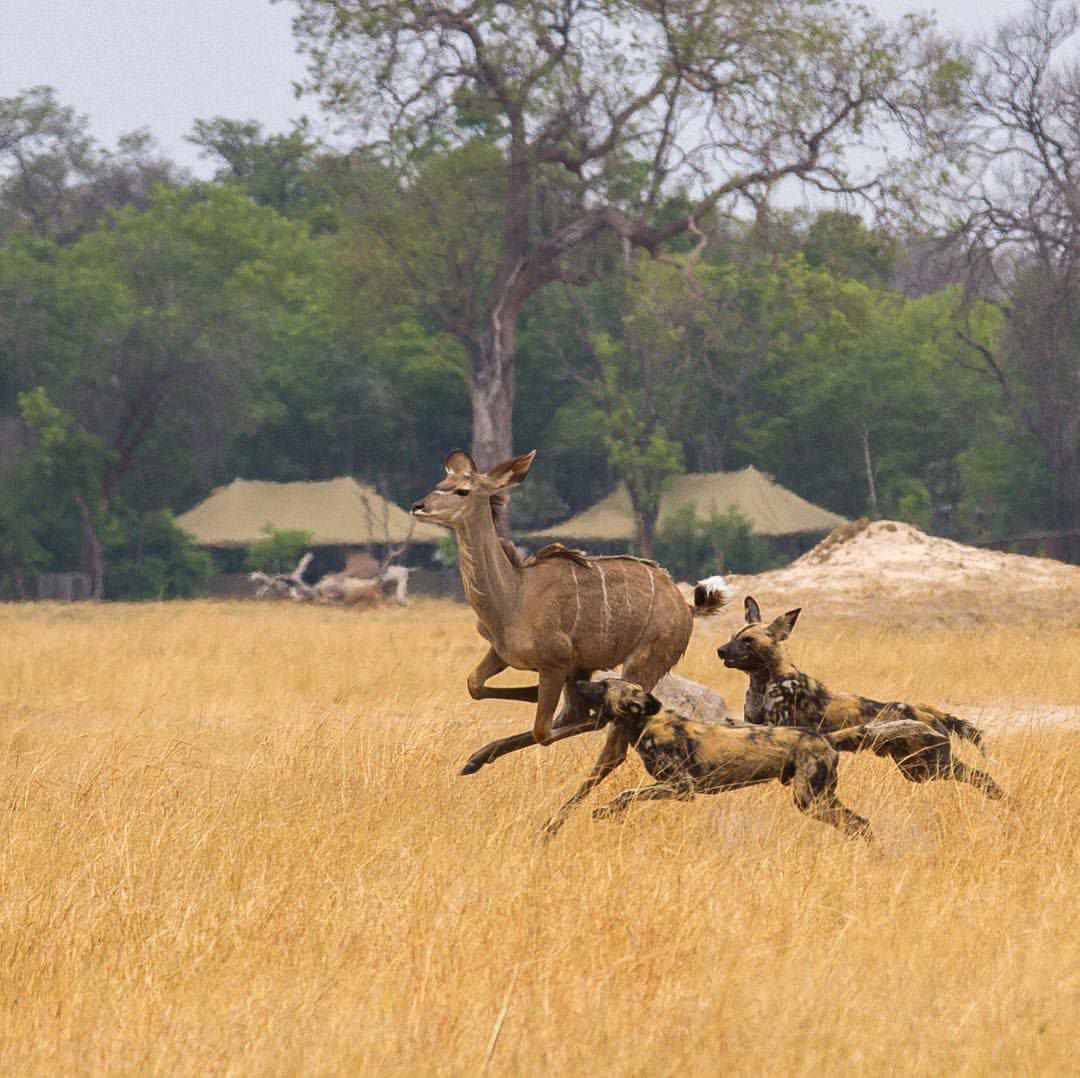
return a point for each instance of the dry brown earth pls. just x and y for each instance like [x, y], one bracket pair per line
[892, 572]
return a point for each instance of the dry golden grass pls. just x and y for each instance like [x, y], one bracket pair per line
[234, 842]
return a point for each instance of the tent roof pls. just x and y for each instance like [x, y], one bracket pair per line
[338, 512]
[770, 508]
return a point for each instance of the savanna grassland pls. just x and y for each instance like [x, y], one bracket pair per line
[234, 842]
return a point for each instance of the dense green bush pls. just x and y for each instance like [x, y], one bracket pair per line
[279, 551]
[149, 557]
[690, 548]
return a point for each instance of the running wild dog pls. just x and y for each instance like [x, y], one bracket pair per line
[781, 695]
[688, 757]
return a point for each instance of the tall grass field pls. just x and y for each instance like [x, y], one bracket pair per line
[233, 841]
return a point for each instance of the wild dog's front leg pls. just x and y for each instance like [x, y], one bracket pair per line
[611, 755]
[490, 665]
[662, 791]
[814, 787]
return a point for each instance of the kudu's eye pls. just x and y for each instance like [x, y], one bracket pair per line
[462, 492]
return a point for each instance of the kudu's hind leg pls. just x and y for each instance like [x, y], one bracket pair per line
[645, 669]
[814, 786]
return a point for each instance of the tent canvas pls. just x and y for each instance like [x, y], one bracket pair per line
[772, 510]
[338, 512]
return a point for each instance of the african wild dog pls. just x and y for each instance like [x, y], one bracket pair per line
[687, 757]
[781, 695]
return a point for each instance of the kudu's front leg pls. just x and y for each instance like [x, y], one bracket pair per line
[494, 749]
[551, 687]
[490, 665]
[573, 720]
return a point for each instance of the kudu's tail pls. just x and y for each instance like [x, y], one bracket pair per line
[711, 595]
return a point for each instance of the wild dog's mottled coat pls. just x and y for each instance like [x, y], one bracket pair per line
[781, 695]
[688, 757]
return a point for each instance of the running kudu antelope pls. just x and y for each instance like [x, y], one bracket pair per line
[559, 613]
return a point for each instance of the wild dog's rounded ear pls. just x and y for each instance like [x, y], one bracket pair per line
[652, 705]
[459, 462]
[591, 690]
[780, 627]
[752, 610]
[513, 471]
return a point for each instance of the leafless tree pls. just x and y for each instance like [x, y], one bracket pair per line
[1020, 214]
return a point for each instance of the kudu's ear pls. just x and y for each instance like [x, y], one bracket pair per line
[752, 610]
[511, 472]
[459, 462]
[780, 627]
[652, 705]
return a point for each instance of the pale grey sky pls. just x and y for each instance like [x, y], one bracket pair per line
[162, 64]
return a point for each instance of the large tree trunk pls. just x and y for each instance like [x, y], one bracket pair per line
[1065, 487]
[93, 553]
[646, 533]
[491, 388]
[868, 464]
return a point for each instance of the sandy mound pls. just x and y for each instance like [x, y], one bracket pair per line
[884, 561]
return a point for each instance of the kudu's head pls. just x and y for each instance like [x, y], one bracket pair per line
[466, 490]
[756, 646]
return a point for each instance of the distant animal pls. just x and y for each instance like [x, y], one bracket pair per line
[265, 585]
[398, 576]
[687, 757]
[348, 590]
[781, 695]
[282, 585]
[559, 612]
[311, 582]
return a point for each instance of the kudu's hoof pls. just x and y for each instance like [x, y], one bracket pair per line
[471, 767]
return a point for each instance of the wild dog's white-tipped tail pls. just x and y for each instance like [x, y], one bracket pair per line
[711, 595]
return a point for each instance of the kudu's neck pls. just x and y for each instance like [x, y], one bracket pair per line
[492, 584]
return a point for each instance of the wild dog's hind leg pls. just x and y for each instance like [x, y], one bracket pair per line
[979, 779]
[938, 762]
[814, 786]
[662, 791]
